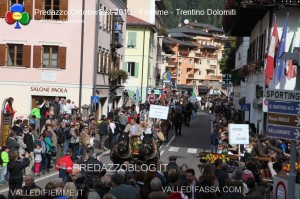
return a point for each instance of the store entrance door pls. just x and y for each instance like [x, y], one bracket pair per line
[40, 99]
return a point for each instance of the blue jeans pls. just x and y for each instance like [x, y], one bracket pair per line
[3, 173]
[65, 147]
[214, 148]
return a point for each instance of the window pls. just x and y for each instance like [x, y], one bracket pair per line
[15, 55]
[132, 69]
[101, 67]
[104, 19]
[131, 66]
[131, 42]
[12, 2]
[100, 16]
[54, 9]
[50, 57]
[191, 61]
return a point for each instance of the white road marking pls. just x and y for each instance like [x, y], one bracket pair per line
[208, 150]
[191, 150]
[106, 152]
[170, 141]
[39, 179]
[174, 149]
[161, 153]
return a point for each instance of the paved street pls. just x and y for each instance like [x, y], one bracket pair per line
[194, 139]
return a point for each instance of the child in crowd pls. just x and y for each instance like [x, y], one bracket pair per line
[5, 160]
[37, 158]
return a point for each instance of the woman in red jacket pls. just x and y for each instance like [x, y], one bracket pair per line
[9, 107]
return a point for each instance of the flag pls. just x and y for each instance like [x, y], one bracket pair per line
[269, 70]
[291, 70]
[280, 67]
[194, 90]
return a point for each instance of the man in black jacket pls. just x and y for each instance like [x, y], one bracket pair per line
[75, 176]
[60, 139]
[28, 140]
[15, 168]
[93, 168]
[17, 127]
[30, 185]
[188, 109]
[221, 175]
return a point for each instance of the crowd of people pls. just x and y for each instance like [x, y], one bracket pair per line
[54, 137]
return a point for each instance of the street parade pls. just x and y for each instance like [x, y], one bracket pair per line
[149, 99]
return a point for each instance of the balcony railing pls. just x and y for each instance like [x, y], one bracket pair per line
[199, 55]
[172, 65]
[213, 67]
[184, 53]
[174, 74]
[212, 56]
[213, 77]
[190, 76]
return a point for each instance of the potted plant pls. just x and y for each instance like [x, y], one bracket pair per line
[123, 75]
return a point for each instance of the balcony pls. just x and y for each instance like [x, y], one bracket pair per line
[213, 77]
[199, 55]
[190, 76]
[197, 65]
[117, 40]
[172, 66]
[212, 66]
[212, 56]
[184, 53]
[191, 54]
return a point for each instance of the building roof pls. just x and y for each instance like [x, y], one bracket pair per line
[166, 41]
[180, 35]
[188, 30]
[208, 26]
[134, 21]
[182, 43]
[210, 47]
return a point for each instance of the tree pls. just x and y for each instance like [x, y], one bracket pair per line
[227, 63]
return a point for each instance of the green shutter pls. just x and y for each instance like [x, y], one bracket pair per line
[125, 66]
[131, 42]
[136, 69]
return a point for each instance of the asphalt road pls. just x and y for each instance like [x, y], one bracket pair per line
[194, 139]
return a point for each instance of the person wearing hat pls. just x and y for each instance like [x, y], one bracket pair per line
[172, 163]
[261, 151]
[65, 164]
[5, 160]
[151, 98]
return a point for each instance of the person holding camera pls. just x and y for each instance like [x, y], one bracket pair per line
[15, 168]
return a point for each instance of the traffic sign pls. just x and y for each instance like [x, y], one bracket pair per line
[95, 99]
[245, 107]
[283, 132]
[284, 107]
[226, 79]
[283, 95]
[283, 119]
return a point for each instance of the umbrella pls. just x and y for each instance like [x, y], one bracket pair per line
[137, 95]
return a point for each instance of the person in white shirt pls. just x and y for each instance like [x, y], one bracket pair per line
[69, 107]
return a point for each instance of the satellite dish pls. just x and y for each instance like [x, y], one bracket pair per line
[186, 21]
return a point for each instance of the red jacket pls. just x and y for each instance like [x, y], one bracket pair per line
[64, 163]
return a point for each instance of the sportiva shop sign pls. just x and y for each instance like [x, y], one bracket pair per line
[48, 89]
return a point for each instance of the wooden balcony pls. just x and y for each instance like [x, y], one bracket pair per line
[212, 66]
[213, 77]
[184, 53]
[199, 55]
[212, 56]
[190, 76]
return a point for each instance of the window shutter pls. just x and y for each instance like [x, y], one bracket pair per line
[2, 54]
[29, 7]
[26, 56]
[136, 69]
[125, 67]
[37, 56]
[3, 8]
[62, 57]
[63, 7]
[39, 6]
